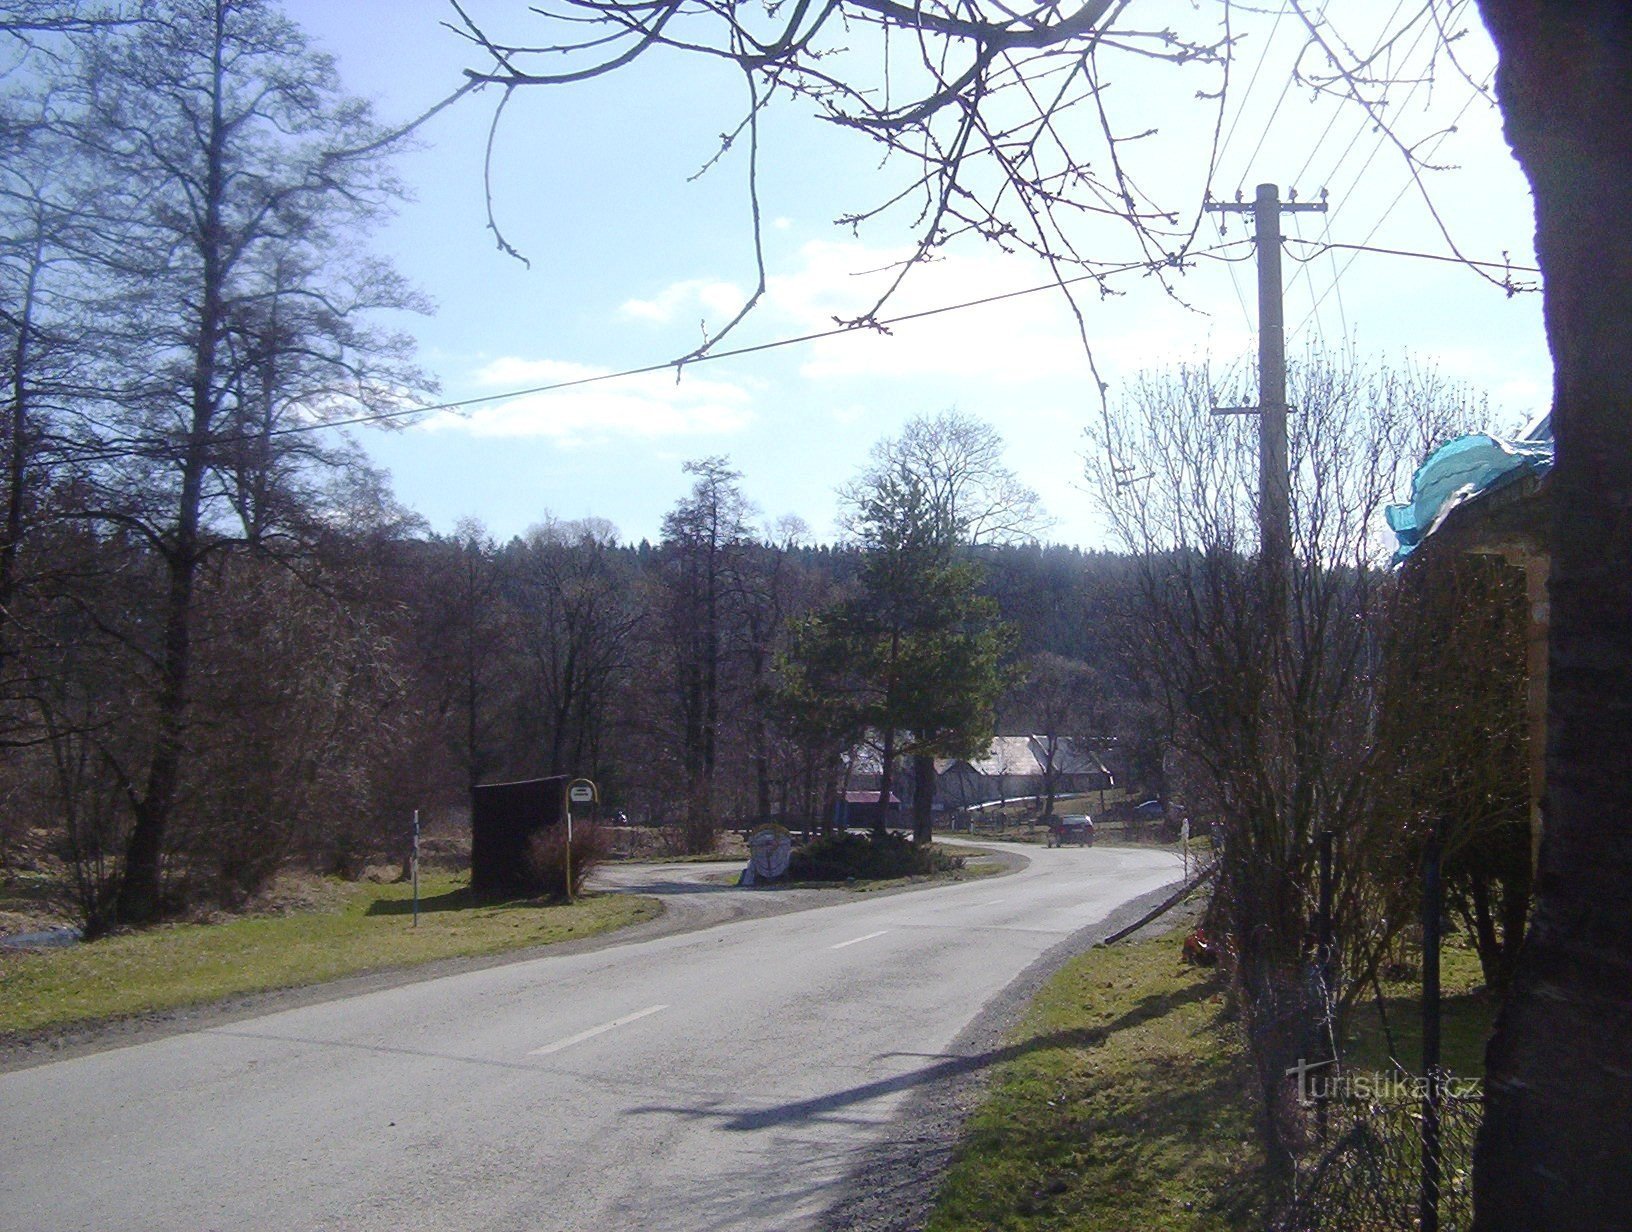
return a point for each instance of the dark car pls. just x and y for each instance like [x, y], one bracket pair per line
[1071, 828]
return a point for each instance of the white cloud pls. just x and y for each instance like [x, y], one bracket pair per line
[651, 406]
[714, 301]
[1012, 342]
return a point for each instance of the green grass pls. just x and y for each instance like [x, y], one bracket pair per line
[1467, 1012]
[1123, 1107]
[365, 928]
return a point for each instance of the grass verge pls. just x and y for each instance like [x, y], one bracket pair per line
[1379, 1034]
[975, 869]
[1126, 1107]
[365, 928]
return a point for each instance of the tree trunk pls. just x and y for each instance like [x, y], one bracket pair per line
[923, 799]
[886, 777]
[18, 454]
[1486, 942]
[761, 757]
[138, 898]
[1555, 1150]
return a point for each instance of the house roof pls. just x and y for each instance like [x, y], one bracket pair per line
[1011, 756]
[1467, 470]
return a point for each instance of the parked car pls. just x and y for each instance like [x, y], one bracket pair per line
[1071, 828]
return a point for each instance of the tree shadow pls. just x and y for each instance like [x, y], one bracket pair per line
[941, 1069]
[462, 899]
[669, 887]
[1466, 1020]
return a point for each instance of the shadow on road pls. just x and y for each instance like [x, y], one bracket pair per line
[943, 1068]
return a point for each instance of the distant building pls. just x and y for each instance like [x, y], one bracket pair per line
[860, 808]
[1021, 766]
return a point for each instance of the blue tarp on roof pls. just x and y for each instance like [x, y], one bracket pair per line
[1463, 470]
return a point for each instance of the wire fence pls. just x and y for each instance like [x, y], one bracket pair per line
[1366, 1174]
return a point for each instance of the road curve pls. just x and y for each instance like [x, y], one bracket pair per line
[724, 1078]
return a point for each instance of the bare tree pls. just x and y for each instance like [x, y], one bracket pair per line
[1451, 749]
[42, 322]
[29, 24]
[1273, 721]
[970, 492]
[234, 164]
[465, 638]
[575, 620]
[703, 537]
[1060, 698]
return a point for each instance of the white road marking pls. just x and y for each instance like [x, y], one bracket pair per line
[985, 902]
[858, 940]
[594, 1031]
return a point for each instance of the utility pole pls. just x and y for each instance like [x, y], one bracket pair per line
[1274, 497]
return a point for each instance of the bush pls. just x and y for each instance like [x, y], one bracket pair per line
[546, 858]
[841, 857]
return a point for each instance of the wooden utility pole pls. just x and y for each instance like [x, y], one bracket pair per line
[1274, 497]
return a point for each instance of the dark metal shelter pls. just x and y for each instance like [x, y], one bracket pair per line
[504, 817]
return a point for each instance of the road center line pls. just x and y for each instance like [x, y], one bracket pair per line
[858, 940]
[594, 1031]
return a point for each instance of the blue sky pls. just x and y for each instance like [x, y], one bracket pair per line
[629, 257]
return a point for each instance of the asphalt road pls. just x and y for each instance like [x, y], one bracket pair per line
[729, 1077]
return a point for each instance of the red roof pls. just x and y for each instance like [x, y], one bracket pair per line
[868, 797]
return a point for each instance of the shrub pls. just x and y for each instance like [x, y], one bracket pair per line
[546, 858]
[840, 857]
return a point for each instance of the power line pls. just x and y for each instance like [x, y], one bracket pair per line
[1411, 179]
[1366, 117]
[1309, 278]
[1252, 81]
[1321, 246]
[1337, 286]
[1240, 298]
[881, 325]
[1337, 108]
[1269, 123]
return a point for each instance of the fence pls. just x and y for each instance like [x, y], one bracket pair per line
[1367, 1175]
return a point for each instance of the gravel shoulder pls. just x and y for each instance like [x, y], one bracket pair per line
[690, 903]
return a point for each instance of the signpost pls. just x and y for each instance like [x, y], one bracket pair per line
[415, 863]
[579, 791]
[770, 847]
